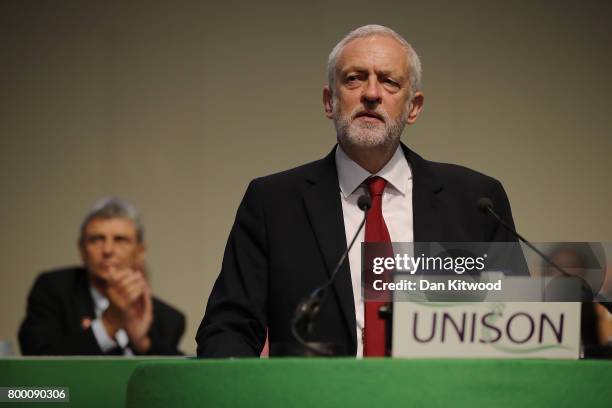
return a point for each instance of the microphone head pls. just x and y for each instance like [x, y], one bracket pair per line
[485, 204]
[364, 202]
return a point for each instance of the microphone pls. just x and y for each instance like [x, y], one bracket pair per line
[364, 202]
[308, 309]
[485, 205]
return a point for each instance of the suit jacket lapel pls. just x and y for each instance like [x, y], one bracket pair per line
[324, 209]
[426, 206]
[83, 303]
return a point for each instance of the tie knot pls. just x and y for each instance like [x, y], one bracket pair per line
[376, 185]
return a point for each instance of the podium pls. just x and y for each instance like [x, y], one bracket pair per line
[290, 382]
[282, 382]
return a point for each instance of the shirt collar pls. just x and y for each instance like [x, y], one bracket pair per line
[397, 172]
[100, 301]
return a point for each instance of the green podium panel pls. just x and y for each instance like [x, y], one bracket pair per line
[93, 382]
[371, 383]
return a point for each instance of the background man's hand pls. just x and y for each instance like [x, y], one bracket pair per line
[131, 307]
[139, 318]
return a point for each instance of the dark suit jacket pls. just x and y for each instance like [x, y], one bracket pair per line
[289, 234]
[57, 304]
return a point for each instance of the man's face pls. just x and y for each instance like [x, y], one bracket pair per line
[372, 90]
[110, 244]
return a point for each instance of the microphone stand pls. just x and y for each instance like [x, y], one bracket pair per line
[308, 309]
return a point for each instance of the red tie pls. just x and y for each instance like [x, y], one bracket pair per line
[375, 231]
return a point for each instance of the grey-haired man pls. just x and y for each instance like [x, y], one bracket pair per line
[106, 306]
[292, 227]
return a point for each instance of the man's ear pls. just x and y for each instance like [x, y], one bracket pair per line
[415, 107]
[328, 102]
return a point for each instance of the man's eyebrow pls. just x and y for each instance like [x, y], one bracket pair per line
[93, 236]
[353, 68]
[384, 72]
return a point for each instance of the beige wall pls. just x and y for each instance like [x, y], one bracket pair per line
[177, 105]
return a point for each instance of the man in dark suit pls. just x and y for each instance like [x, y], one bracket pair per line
[292, 227]
[105, 307]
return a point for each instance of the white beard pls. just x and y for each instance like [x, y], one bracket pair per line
[358, 133]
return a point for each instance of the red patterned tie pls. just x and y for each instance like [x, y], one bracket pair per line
[375, 231]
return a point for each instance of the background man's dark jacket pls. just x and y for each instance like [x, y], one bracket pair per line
[289, 233]
[57, 305]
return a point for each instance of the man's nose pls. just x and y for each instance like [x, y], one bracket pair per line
[372, 95]
[109, 247]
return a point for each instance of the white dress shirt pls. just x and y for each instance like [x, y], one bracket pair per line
[396, 208]
[105, 341]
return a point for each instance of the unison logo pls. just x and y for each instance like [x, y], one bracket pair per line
[514, 332]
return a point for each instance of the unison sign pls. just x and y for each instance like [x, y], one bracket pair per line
[486, 330]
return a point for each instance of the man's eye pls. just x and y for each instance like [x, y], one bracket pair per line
[391, 82]
[93, 240]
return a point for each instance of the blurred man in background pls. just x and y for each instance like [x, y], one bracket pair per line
[104, 307]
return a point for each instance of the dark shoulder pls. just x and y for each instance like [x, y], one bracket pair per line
[297, 175]
[60, 281]
[163, 309]
[455, 174]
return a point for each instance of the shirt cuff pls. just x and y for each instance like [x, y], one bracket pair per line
[122, 338]
[105, 341]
